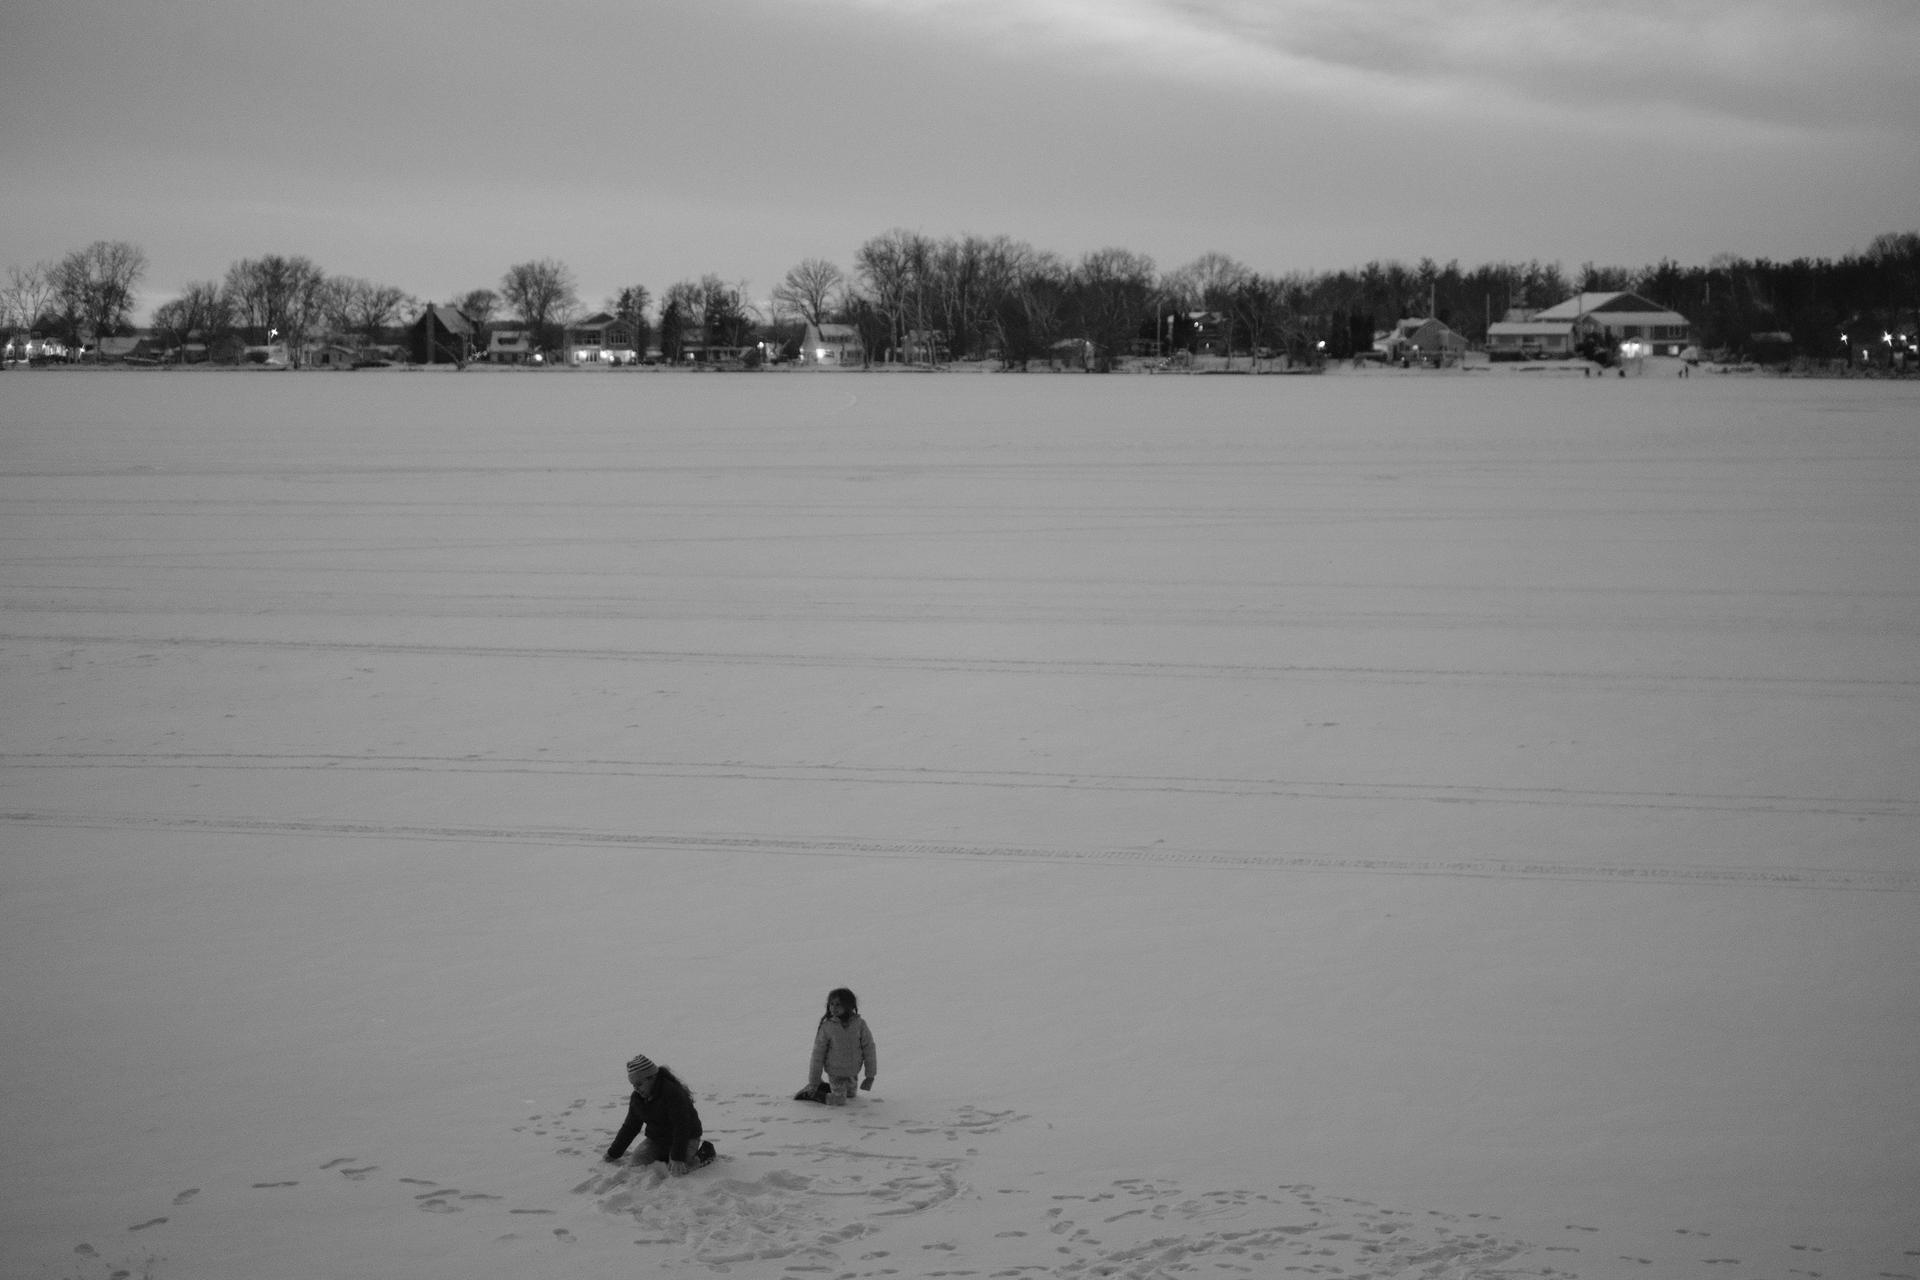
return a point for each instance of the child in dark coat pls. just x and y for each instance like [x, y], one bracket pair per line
[662, 1105]
[842, 1049]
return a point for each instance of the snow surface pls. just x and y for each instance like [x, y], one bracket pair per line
[1366, 825]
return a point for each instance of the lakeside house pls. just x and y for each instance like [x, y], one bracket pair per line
[1621, 320]
[442, 335]
[509, 346]
[1519, 337]
[1422, 341]
[601, 338]
[332, 355]
[832, 344]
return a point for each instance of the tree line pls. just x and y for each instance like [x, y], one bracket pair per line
[917, 297]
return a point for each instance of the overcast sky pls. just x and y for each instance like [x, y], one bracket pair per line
[430, 144]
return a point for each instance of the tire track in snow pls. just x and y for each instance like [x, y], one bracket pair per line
[1002, 779]
[1813, 686]
[1786, 877]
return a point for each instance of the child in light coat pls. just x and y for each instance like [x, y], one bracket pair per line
[842, 1049]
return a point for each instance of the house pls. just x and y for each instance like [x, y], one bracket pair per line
[442, 335]
[1212, 333]
[600, 339]
[1622, 320]
[508, 346]
[832, 344]
[1422, 341]
[1071, 353]
[1521, 336]
[331, 355]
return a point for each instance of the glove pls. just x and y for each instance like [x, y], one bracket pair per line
[867, 1083]
[676, 1167]
[611, 1159]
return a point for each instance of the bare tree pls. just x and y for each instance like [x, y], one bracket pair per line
[93, 287]
[710, 308]
[1031, 314]
[477, 305]
[1114, 290]
[203, 310]
[28, 294]
[544, 295]
[809, 289]
[966, 277]
[363, 308]
[1213, 283]
[1207, 282]
[289, 295]
[893, 267]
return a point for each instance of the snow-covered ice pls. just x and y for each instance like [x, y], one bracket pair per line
[1440, 826]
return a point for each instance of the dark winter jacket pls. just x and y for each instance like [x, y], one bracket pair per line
[669, 1117]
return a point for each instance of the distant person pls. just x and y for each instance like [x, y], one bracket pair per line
[662, 1105]
[842, 1049]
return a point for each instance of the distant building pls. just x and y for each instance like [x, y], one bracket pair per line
[1623, 321]
[1422, 341]
[1521, 337]
[331, 355]
[601, 339]
[509, 346]
[832, 344]
[442, 335]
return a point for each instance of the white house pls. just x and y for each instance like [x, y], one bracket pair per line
[1622, 320]
[1520, 337]
[509, 346]
[832, 344]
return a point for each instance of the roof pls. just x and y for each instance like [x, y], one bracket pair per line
[842, 331]
[451, 319]
[1530, 328]
[1414, 324]
[1617, 305]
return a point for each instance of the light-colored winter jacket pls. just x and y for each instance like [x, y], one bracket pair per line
[843, 1050]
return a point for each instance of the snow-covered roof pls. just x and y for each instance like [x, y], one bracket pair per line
[1617, 306]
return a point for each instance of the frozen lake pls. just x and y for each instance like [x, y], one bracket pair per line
[1368, 824]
